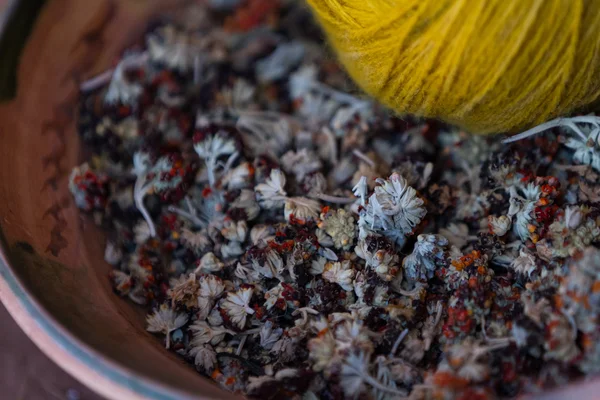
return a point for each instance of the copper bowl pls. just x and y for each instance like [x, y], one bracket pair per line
[53, 279]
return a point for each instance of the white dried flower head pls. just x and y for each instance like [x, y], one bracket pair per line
[127, 129]
[285, 348]
[136, 270]
[301, 163]
[537, 311]
[120, 90]
[184, 290]
[428, 251]
[273, 295]
[235, 231]
[241, 95]
[247, 202]
[302, 81]
[522, 208]
[301, 208]
[383, 260]
[340, 225]
[361, 189]
[211, 148]
[279, 63]
[211, 286]
[573, 217]
[351, 335]
[394, 208]
[317, 266]
[322, 350]
[204, 356]
[141, 232]
[585, 142]
[323, 238]
[237, 306]
[457, 234]
[499, 225]
[561, 344]
[271, 267]
[203, 334]
[172, 48]
[209, 263]
[214, 146]
[271, 194]
[315, 183]
[214, 318]
[525, 264]
[578, 291]
[112, 254]
[239, 177]
[269, 336]
[165, 320]
[196, 241]
[381, 296]
[122, 282]
[246, 274]
[341, 273]
[467, 360]
[261, 233]
[205, 306]
[231, 249]
[354, 373]
[265, 132]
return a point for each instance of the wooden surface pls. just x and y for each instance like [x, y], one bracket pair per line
[27, 374]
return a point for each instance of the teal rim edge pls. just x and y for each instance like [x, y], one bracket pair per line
[76, 350]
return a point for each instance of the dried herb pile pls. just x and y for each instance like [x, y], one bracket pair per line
[294, 240]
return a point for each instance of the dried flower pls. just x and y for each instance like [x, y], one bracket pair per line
[271, 194]
[340, 273]
[340, 225]
[210, 149]
[269, 336]
[209, 263]
[301, 208]
[165, 320]
[207, 334]
[205, 357]
[301, 163]
[427, 254]
[121, 90]
[184, 290]
[237, 306]
[380, 255]
[394, 208]
[499, 225]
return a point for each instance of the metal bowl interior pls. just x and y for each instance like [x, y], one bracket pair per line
[54, 280]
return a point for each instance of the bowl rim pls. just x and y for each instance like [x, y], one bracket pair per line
[102, 375]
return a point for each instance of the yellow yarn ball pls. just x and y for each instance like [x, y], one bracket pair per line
[485, 65]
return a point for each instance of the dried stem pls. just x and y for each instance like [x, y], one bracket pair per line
[334, 199]
[555, 123]
[398, 341]
[363, 157]
[190, 216]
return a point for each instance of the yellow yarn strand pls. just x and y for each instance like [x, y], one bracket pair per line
[486, 65]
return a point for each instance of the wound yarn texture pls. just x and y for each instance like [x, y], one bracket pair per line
[485, 65]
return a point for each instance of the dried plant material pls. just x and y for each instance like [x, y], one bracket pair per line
[293, 240]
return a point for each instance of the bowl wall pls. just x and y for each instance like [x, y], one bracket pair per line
[54, 281]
